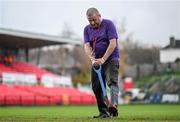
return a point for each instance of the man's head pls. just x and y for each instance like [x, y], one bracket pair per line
[93, 17]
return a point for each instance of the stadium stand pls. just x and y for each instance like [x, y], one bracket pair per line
[18, 69]
[29, 68]
[40, 95]
[19, 80]
[19, 94]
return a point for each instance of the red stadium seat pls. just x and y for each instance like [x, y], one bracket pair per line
[40, 95]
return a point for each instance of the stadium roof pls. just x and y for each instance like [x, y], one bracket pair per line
[10, 38]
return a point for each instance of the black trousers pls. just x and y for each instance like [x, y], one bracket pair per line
[110, 72]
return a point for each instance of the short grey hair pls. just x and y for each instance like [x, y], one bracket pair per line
[92, 11]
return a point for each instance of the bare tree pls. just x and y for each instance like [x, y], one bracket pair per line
[124, 37]
[67, 31]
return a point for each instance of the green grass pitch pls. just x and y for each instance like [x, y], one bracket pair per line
[127, 113]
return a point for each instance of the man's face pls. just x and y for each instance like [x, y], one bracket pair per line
[94, 20]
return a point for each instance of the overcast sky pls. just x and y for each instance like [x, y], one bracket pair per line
[150, 21]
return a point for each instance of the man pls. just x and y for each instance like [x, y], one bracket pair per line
[101, 46]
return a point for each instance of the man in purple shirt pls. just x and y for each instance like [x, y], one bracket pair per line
[101, 46]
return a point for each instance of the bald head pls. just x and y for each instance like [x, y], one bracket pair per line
[92, 12]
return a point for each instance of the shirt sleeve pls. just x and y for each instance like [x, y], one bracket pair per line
[111, 31]
[86, 35]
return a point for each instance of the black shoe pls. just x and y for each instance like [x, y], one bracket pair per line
[102, 115]
[113, 111]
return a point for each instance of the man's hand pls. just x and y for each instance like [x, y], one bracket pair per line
[97, 62]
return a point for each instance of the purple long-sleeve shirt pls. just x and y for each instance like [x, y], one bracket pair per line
[99, 39]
